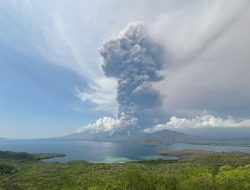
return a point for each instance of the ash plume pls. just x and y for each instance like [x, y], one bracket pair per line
[134, 59]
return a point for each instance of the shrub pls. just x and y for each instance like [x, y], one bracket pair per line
[6, 169]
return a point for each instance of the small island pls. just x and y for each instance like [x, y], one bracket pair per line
[23, 156]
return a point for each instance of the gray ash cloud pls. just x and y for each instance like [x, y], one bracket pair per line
[135, 59]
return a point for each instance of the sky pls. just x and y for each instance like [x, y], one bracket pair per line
[76, 66]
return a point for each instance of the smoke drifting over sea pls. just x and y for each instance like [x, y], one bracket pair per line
[134, 59]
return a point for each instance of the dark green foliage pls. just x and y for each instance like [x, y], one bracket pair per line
[7, 155]
[23, 156]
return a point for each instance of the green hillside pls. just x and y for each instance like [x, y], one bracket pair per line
[195, 170]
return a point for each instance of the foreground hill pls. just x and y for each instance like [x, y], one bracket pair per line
[194, 170]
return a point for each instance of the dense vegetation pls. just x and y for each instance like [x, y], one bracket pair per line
[195, 170]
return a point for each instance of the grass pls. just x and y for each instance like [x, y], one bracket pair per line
[195, 170]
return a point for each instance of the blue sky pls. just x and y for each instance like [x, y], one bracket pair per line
[37, 98]
[51, 77]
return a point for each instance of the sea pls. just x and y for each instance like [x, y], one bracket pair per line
[106, 152]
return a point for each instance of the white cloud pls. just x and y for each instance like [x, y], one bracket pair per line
[105, 124]
[102, 92]
[109, 125]
[201, 121]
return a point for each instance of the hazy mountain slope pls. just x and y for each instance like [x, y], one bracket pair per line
[168, 136]
[218, 136]
[163, 137]
[219, 133]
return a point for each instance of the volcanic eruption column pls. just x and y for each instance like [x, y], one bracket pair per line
[134, 59]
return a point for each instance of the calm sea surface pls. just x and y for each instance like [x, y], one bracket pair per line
[96, 151]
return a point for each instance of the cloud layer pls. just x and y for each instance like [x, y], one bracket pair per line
[206, 48]
[201, 38]
[201, 121]
[209, 52]
[107, 125]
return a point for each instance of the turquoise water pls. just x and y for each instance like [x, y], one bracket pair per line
[108, 152]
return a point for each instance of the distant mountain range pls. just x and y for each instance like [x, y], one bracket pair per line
[218, 136]
[86, 136]
[163, 137]
[212, 136]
